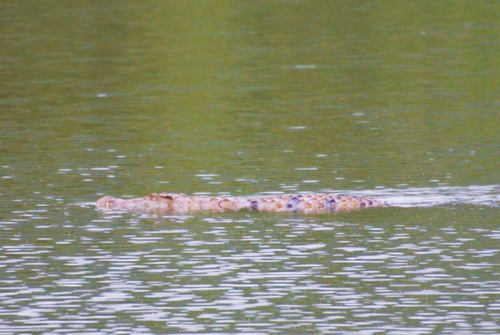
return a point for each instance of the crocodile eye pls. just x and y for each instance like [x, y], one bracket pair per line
[166, 196]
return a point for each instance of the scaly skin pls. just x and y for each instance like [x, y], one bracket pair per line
[292, 203]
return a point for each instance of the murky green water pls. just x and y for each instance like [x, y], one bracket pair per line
[395, 100]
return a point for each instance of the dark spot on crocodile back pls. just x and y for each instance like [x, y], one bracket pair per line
[254, 205]
[331, 204]
[293, 203]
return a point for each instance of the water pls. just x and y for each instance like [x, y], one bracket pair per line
[399, 103]
[386, 270]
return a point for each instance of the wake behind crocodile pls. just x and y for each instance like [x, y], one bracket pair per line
[479, 195]
[309, 203]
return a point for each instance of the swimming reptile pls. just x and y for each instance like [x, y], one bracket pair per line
[309, 203]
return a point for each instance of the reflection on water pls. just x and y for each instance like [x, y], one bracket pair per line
[375, 271]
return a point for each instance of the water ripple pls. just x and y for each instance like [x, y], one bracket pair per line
[422, 271]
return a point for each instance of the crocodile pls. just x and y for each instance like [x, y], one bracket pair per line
[309, 203]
